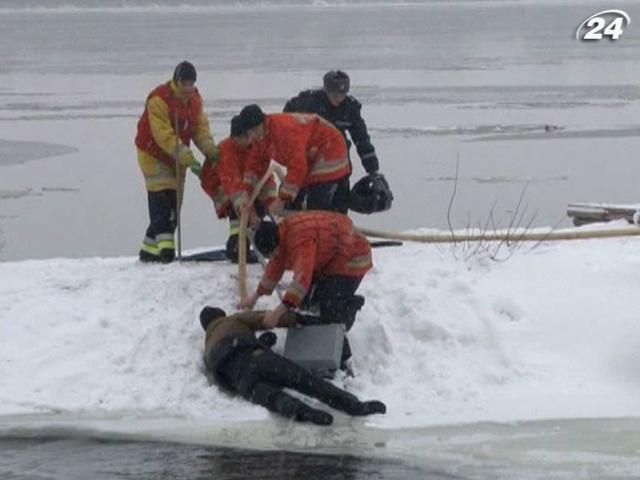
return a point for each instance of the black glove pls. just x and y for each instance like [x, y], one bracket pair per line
[268, 339]
[371, 163]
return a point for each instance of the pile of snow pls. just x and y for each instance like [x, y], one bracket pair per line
[549, 333]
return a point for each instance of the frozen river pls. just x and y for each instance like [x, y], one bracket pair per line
[502, 86]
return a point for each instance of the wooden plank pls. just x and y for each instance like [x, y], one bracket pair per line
[584, 213]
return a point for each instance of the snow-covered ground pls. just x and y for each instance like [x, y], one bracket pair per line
[550, 333]
[474, 80]
[547, 333]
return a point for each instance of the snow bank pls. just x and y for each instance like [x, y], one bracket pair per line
[549, 333]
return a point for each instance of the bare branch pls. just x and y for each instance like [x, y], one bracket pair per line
[451, 199]
[514, 214]
[483, 232]
[519, 223]
[466, 245]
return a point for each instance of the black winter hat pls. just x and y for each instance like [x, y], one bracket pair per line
[250, 116]
[185, 71]
[266, 238]
[209, 314]
[236, 126]
[336, 81]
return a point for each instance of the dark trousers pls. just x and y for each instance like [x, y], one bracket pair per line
[336, 299]
[159, 243]
[332, 196]
[261, 377]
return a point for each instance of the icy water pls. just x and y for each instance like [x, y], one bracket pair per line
[502, 87]
[81, 459]
[591, 449]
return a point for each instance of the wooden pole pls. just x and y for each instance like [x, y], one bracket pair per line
[515, 236]
[179, 192]
[242, 235]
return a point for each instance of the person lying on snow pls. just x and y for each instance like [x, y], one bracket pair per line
[246, 365]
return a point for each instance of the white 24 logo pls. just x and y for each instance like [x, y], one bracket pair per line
[596, 23]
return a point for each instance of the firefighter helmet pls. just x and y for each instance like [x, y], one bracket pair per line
[371, 194]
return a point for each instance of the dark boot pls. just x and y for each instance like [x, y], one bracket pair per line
[147, 257]
[162, 225]
[291, 407]
[367, 408]
[167, 255]
[317, 417]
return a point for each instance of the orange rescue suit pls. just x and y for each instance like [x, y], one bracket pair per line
[223, 181]
[315, 245]
[311, 148]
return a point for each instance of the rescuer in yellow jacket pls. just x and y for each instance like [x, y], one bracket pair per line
[172, 118]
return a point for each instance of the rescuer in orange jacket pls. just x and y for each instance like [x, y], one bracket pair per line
[176, 103]
[314, 152]
[223, 182]
[328, 258]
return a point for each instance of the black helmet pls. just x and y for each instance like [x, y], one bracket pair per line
[336, 81]
[185, 71]
[371, 194]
